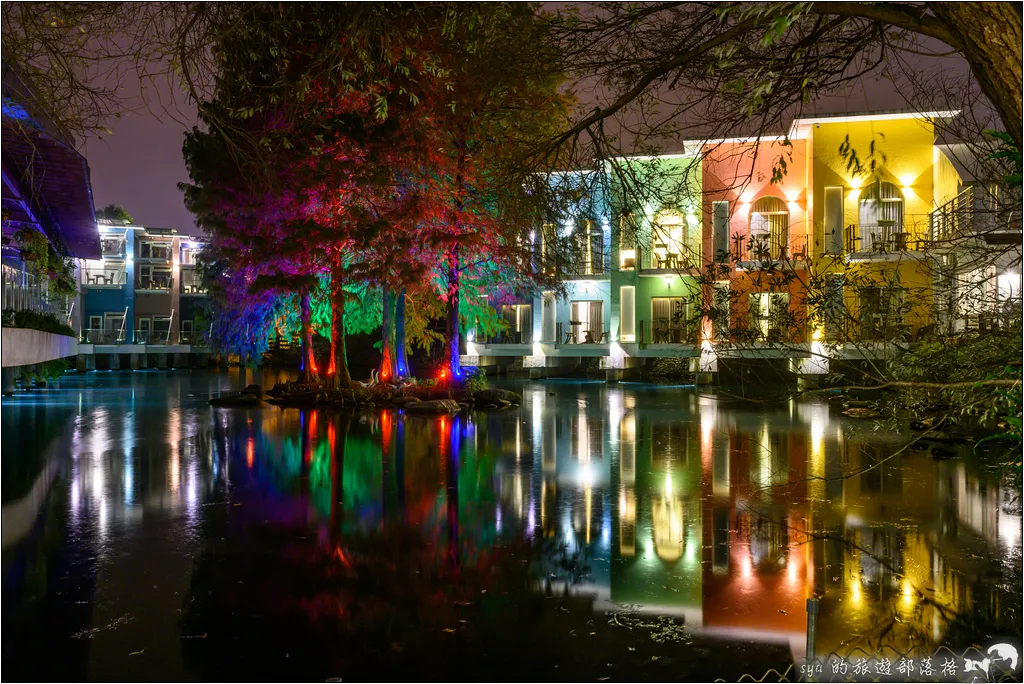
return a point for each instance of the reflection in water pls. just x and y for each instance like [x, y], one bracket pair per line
[723, 517]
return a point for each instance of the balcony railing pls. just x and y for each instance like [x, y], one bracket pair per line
[768, 249]
[155, 282]
[660, 258]
[157, 337]
[100, 277]
[191, 283]
[102, 336]
[112, 248]
[573, 332]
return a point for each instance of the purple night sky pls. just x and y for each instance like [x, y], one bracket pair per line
[140, 165]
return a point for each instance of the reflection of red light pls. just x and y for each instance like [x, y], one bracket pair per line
[444, 373]
[342, 557]
[250, 452]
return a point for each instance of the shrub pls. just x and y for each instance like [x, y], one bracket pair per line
[36, 320]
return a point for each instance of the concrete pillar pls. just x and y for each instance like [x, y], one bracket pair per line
[81, 361]
[9, 375]
[136, 361]
[161, 361]
[115, 362]
[704, 378]
[180, 360]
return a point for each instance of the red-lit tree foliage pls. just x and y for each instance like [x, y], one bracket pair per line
[406, 169]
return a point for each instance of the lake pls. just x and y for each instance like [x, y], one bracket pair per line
[598, 531]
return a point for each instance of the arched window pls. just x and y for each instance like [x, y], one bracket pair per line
[769, 228]
[881, 217]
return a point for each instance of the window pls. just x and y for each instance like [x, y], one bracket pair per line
[768, 314]
[186, 332]
[548, 248]
[154, 250]
[720, 311]
[627, 242]
[154, 278]
[881, 218]
[832, 314]
[668, 319]
[189, 254]
[668, 241]
[161, 330]
[720, 230]
[769, 229]
[627, 313]
[589, 249]
[587, 324]
[881, 313]
[833, 220]
[519, 318]
[144, 331]
[112, 246]
[95, 322]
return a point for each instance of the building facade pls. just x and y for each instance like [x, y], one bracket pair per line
[838, 239]
[144, 288]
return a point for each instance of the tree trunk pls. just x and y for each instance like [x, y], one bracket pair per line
[989, 36]
[452, 323]
[307, 372]
[387, 348]
[340, 376]
[401, 363]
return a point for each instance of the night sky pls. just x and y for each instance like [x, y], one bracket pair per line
[140, 165]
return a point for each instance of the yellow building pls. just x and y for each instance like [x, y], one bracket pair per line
[874, 181]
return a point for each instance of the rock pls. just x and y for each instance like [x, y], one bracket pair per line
[243, 400]
[404, 401]
[854, 403]
[919, 446]
[253, 389]
[496, 396]
[434, 406]
[940, 454]
[918, 426]
[861, 413]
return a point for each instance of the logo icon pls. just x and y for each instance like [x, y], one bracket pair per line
[1000, 652]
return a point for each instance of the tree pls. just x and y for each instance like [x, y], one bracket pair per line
[115, 212]
[707, 68]
[502, 100]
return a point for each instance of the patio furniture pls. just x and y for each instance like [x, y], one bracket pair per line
[671, 260]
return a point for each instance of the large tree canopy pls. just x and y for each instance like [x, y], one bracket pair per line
[671, 69]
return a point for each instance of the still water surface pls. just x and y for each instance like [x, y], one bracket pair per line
[599, 530]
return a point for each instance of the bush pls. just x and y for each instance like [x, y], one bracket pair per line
[476, 380]
[36, 320]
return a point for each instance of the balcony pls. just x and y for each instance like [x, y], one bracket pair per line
[112, 247]
[578, 332]
[765, 249]
[104, 276]
[191, 283]
[976, 212]
[157, 282]
[662, 257]
[154, 251]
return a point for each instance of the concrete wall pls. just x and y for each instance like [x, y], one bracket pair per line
[23, 347]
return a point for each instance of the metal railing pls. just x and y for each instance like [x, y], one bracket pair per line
[766, 248]
[102, 336]
[659, 258]
[191, 283]
[155, 282]
[23, 291]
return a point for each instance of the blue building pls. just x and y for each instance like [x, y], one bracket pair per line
[144, 288]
